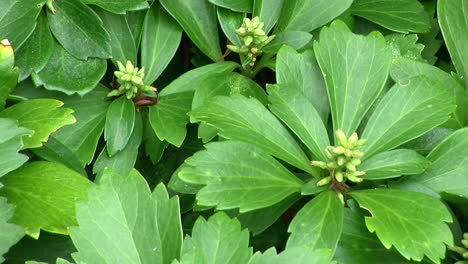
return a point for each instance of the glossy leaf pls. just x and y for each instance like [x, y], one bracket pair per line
[294, 39]
[135, 21]
[268, 11]
[453, 17]
[295, 255]
[116, 231]
[244, 6]
[447, 173]
[394, 163]
[121, 40]
[230, 21]
[154, 148]
[238, 184]
[406, 112]
[161, 38]
[34, 54]
[8, 73]
[43, 116]
[427, 142]
[307, 15]
[120, 119]
[18, 20]
[44, 194]
[66, 74]
[247, 120]
[318, 224]
[398, 15]
[298, 113]
[79, 30]
[355, 76]
[220, 233]
[198, 19]
[119, 6]
[405, 46]
[9, 233]
[10, 144]
[404, 219]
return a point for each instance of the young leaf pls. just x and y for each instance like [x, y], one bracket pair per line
[247, 120]
[406, 112]
[230, 21]
[244, 6]
[268, 11]
[298, 113]
[44, 194]
[398, 15]
[10, 234]
[295, 39]
[121, 39]
[120, 213]
[69, 75]
[18, 20]
[161, 38]
[295, 255]
[238, 175]
[453, 17]
[8, 73]
[412, 222]
[318, 224]
[355, 75]
[36, 51]
[218, 240]
[10, 143]
[447, 173]
[394, 163]
[120, 119]
[43, 116]
[307, 15]
[79, 30]
[198, 19]
[119, 6]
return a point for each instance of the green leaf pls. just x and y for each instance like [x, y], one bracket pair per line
[356, 238]
[18, 20]
[169, 117]
[403, 70]
[431, 42]
[218, 240]
[161, 38]
[8, 73]
[268, 11]
[79, 30]
[135, 21]
[427, 142]
[230, 21]
[10, 143]
[447, 173]
[294, 39]
[398, 15]
[116, 231]
[244, 6]
[119, 6]
[44, 194]
[394, 163]
[198, 19]
[247, 120]
[121, 40]
[238, 175]
[123, 161]
[298, 113]
[43, 116]
[154, 148]
[295, 255]
[67, 74]
[10, 234]
[318, 224]
[120, 119]
[412, 222]
[311, 188]
[355, 76]
[307, 15]
[36, 51]
[405, 46]
[407, 112]
[453, 21]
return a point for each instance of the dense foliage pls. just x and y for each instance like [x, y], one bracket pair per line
[246, 131]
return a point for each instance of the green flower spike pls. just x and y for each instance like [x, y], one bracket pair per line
[342, 160]
[254, 39]
[131, 82]
[50, 5]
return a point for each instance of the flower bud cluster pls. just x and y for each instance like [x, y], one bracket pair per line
[254, 39]
[131, 82]
[463, 251]
[343, 159]
[50, 6]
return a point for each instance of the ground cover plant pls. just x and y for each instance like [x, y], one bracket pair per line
[247, 131]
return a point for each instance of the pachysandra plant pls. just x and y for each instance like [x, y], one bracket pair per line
[131, 81]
